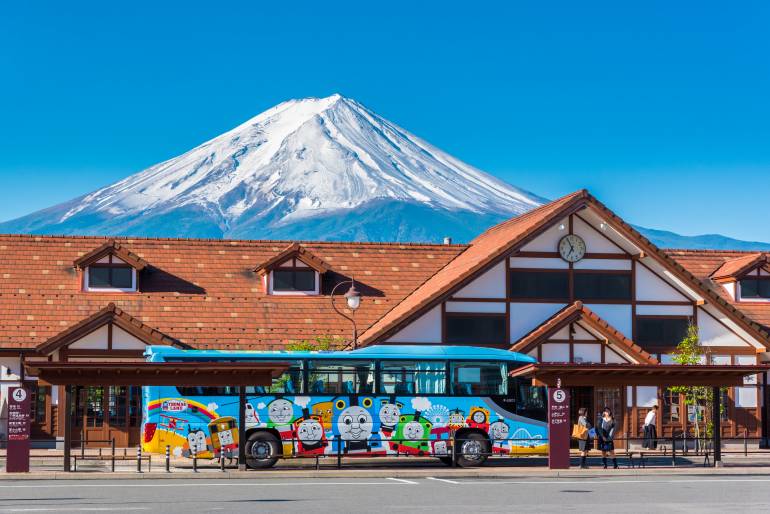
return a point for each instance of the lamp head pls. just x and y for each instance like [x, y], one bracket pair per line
[353, 297]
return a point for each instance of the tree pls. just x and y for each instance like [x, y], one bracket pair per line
[318, 344]
[690, 352]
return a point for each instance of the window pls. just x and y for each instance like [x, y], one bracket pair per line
[551, 285]
[340, 377]
[671, 406]
[602, 286]
[410, 377]
[37, 394]
[475, 329]
[531, 400]
[661, 332]
[294, 280]
[110, 276]
[755, 289]
[290, 382]
[479, 378]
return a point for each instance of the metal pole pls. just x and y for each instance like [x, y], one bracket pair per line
[745, 442]
[168, 459]
[242, 428]
[716, 421]
[222, 461]
[82, 443]
[195, 461]
[454, 451]
[67, 425]
[112, 459]
[673, 451]
[139, 459]
[339, 452]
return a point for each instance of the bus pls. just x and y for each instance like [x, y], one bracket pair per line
[378, 400]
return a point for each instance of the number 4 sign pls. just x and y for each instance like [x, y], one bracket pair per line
[18, 431]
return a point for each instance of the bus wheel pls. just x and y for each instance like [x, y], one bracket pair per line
[262, 450]
[473, 450]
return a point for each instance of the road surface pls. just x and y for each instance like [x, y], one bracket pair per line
[744, 494]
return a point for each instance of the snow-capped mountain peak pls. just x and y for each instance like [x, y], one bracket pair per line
[302, 158]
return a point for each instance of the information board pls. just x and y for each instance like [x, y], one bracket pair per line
[18, 430]
[559, 432]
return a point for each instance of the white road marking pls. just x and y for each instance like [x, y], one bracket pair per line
[588, 481]
[411, 482]
[443, 480]
[75, 508]
[193, 484]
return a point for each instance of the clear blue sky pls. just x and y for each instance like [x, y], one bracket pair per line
[661, 108]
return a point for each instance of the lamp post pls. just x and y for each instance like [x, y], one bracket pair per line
[353, 299]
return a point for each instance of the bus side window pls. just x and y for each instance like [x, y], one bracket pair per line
[412, 377]
[479, 378]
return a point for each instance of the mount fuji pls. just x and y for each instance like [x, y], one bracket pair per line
[309, 169]
[316, 168]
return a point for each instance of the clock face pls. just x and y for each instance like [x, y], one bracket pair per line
[572, 248]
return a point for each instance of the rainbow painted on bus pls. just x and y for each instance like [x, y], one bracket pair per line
[379, 400]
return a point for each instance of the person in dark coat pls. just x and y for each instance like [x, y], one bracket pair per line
[605, 431]
[650, 429]
[584, 444]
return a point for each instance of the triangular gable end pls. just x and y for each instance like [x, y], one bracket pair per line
[123, 331]
[735, 269]
[111, 247]
[294, 250]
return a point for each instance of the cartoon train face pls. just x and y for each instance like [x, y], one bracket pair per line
[224, 433]
[310, 435]
[196, 440]
[499, 430]
[389, 413]
[252, 418]
[280, 411]
[478, 418]
[355, 423]
[411, 427]
[456, 419]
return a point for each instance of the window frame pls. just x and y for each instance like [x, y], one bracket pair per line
[625, 273]
[660, 347]
[87, 278]
[380, 390]
[752, 299]
[539, 271]
[294, 292]
[449, 315]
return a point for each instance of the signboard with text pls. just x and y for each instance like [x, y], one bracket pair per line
[559, 430]
[18, 430]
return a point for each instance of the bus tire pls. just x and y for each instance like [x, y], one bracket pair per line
[473, 449]
[262, 450]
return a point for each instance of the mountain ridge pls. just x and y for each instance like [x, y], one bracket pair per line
[313, 168]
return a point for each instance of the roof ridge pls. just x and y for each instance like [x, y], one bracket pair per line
[712, 250]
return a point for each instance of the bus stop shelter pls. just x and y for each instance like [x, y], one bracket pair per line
[110, 373]
[704, 375]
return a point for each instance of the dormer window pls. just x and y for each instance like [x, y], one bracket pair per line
[754, 288]
[294, 271]
[746, 278]
[110, 274]
[110, 268]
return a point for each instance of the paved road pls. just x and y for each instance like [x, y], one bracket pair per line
[643, 494]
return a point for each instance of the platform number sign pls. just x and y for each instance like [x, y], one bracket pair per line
[558, 428]
[18, 431]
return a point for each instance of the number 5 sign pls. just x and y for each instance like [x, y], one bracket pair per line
[558, 428]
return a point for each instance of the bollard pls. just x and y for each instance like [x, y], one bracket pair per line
[454, 451]
[673, 451]
[317, 463]
[168, 459]
[112, 459]
[138, 459]
[222, 461]
[745, 442]
[195, 461]
[82, 444]
[339, 452]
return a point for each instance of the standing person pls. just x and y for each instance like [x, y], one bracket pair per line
[584, 444]
[650, 429]
[605, 430]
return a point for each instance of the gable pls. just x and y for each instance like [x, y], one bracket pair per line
[491, 284]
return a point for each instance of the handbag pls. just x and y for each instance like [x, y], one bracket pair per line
[579, 432]
[592, 433]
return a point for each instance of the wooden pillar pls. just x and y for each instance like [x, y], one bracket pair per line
[242, 428]
[716, 420]
[67, 425]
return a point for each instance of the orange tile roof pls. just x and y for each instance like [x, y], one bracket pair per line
[577, 312]
[704, 263]
[483, 251]
[114, 248]
[734, 268]
[293, 250]
[201, 292]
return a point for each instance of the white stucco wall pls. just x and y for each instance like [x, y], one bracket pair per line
[425, 329]
[491, 284]
[527, 316]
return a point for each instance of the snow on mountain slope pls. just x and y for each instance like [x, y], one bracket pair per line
[302, 158]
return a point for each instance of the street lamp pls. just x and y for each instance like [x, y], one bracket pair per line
[353, 299]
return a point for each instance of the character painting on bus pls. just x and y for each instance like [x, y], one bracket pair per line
[389, 414]
[456, 419]
[478, 418]
[354, 424]
[324, 411]
[498, 435]
[309, 434]
[196, 444]
[252, 417]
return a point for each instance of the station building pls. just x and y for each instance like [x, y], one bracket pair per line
[569, 282]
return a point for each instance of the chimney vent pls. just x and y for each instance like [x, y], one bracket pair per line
[447, 240]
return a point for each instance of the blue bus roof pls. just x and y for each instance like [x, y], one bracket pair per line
[406, 352]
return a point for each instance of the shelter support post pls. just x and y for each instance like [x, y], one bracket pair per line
[242, 428]
[67, 425]
[716, 418]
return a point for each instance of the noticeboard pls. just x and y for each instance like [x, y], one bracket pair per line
[18, 430]
[558, 428]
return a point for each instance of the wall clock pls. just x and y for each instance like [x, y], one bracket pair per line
[572, 248]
